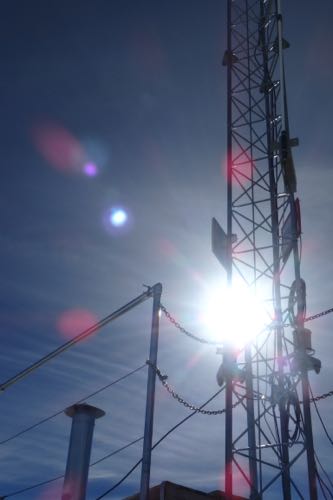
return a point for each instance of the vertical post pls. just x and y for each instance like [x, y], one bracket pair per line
[150, 401]
[228, 429]
[311, 463]
[229, 384]
[77, 468]
[251, 427]
[284, 450]
[309, 437]
[251, 424]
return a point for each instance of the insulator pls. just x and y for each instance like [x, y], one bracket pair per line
[267, 86]
[275, 46]
[277, 394]
[287, 163]
[302, 339]
[229, 58]
[220, 376]
[297, 297]
[275, 119]
[306, 362]
[298, 218]
[229, 369]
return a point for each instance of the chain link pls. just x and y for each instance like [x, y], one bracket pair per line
[163, 380]
[322, 396]
[319, 315]
[174, 322]
[175, 395]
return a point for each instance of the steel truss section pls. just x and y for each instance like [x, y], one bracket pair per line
[271, 430]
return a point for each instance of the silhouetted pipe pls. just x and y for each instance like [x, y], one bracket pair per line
[77, 468]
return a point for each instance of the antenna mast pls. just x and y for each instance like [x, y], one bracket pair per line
[269, 435]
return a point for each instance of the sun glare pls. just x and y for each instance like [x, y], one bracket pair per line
[233, 315]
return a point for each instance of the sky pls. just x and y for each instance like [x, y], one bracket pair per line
[121, 104]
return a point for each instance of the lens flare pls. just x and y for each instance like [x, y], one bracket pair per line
[233, 315]
[74, 321]
[90, 169]
[118, 217]
[242, 168]
[61, 149]
[53, 491]
[58, 146]
[118, 220]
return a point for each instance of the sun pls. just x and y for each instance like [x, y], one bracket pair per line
[233, 315]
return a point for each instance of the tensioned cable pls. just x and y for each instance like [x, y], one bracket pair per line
[313, 400]
[322, 484]
[97, 326]
[81, 336]
[48, 481]
[77, 339]
[321, 466]
[43, 483]
[36, 485]
[117, 451]
[158, 442]
[46, 419]
[324, 471]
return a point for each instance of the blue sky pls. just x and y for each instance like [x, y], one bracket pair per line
[137, 89]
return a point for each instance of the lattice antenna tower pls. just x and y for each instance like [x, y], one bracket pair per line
[268, 439]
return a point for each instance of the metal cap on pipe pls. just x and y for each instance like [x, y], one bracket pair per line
[93, 411]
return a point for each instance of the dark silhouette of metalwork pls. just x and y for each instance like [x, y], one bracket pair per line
[268, 437]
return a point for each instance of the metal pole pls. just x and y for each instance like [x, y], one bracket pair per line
[251, 424]
[149, 419]
[251, 433]
[228, 433]
[311, 463]
[284, 451]
[309, 437]
[77, 468]
[83, 335]
[229, 384]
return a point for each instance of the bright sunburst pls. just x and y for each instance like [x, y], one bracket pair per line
[233, 315]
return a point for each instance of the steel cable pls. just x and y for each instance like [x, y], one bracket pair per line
[313, 400]
[48, 481]
[78, 338]
[46, 419]
[158, 442]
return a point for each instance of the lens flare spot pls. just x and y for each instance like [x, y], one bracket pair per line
[118, 217]
[58, 146]
[118, 220]
[53, 491]
[166, 248]
[74, 321]
[194, 360]
[242, 168]
[96, 152]
[90, 169]
[71, 487]
[240, 484]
